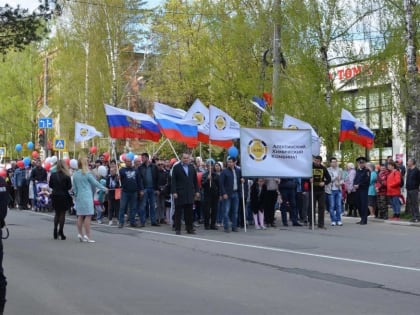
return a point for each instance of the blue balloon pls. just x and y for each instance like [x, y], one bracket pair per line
[18, 147]
[30, 145]
[26, 161]
[233, 152]
[130, 155]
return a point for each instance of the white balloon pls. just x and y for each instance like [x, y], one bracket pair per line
[47, 160]
[73, 164]
[53, 159]
[102, 171]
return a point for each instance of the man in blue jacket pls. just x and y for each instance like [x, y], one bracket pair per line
[230, 190]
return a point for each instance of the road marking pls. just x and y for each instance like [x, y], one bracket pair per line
[273, 249]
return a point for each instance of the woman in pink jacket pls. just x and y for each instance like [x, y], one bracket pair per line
[393, 189]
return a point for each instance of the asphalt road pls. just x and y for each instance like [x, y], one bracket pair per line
[372, 269]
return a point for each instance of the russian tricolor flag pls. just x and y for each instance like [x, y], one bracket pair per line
[354, 130]
[181, 130]
[125, 124]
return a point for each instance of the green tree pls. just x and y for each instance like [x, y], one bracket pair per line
[19, 27]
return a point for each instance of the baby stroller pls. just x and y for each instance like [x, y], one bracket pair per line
[43, 200]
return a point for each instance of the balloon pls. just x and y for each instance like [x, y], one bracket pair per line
[73, 164]
[20, 164]
[93, 150]
[53, 159]
[47, 166]
[106, 156]
[102, 171]
[48, 160]
[130, 155]
[18, 147]
[67, 161]
[26, 161]
[35, 154]
[122, 157]
[30, 145]
[3, 172]
[233, 152]
[173, 161]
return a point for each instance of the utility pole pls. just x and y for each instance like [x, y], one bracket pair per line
[277, 61]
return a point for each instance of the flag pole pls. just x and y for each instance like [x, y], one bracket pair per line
[312, 206]
[160, 146]
[210, 160]
[243, 205]
[173, 149]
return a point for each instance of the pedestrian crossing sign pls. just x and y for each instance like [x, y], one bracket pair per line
[59, 145]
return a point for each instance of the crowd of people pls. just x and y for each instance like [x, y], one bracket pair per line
[147, 190]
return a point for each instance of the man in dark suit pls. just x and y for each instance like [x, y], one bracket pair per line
[184, 188]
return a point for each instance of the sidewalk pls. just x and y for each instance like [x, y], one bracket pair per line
[376, 220]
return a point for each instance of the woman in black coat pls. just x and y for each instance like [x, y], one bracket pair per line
[60, 182]
[257, 196]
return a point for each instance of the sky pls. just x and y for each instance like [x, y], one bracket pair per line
[32, 4]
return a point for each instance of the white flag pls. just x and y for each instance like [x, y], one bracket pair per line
[83, 132]
[276, 153]
[222, 126]
[290, 122]
[169, 111]
[199, 112]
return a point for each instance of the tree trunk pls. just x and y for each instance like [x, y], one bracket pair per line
[413, 117]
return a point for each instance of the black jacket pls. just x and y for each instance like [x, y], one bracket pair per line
[185, 186]
[142, 169]
[412, 179]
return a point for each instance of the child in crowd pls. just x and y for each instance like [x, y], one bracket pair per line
[98, 201]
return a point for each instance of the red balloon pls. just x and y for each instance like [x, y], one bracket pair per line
[47, 166]
[93, 150]
[106, 156]
[3, 172]
[67, 161]
[123, 156]
[35, 154]
[173, 161]
[20, 164]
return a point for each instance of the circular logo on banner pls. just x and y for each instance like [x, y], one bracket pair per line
[84, 132]
[220, 122]
[199, 117]
[257, 150]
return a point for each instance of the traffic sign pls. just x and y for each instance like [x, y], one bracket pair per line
[59, 145]
[45, 123]
[45, 111]
[2, 151]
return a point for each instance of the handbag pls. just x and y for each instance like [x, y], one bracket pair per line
[117, 193]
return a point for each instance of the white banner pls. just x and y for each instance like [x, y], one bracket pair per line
[276, 153]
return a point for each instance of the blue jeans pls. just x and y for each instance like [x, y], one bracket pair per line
[128, 201]
[149, 195]
[335, 205]
[220, 212]
[231, 205]
[395, 204]
[288, 196]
